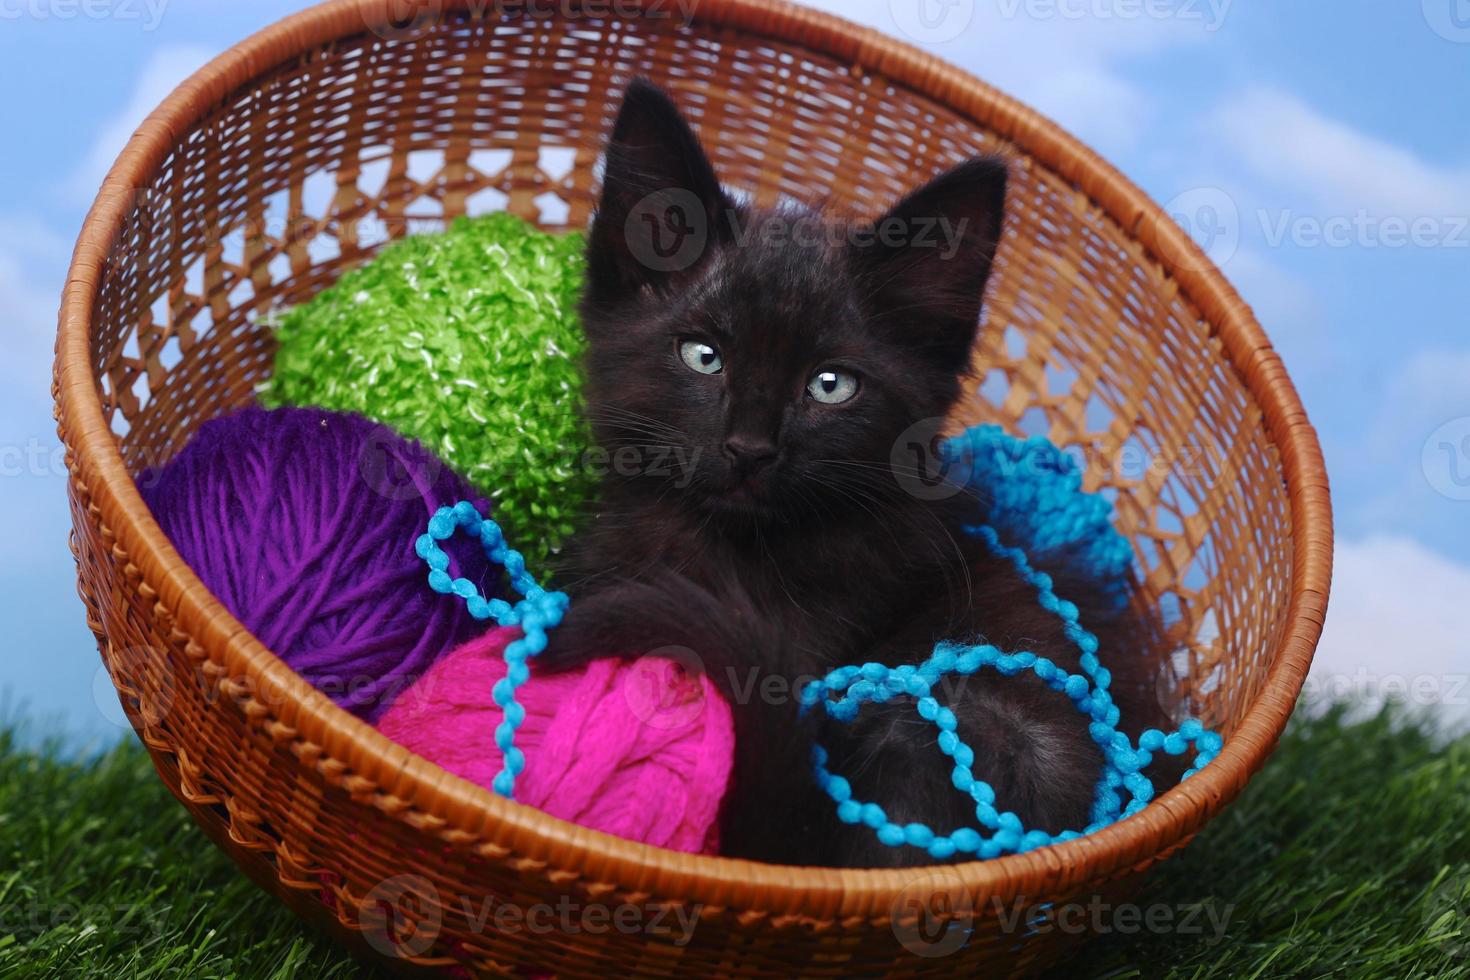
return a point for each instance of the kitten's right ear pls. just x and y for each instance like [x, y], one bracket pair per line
[929, 257]
[662, 207]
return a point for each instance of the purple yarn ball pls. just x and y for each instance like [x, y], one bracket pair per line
[302, 522]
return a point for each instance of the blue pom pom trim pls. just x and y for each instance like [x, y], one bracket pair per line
[538, 612]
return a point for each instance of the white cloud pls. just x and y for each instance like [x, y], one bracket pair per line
[1284, 139]
[1395, 626]
[1060, 57]
[32, 266]
[32, 518]
[29, 320]
[1429, 390]
[166, 68]
[1285, 303]
[1089, 100]
[35, 235]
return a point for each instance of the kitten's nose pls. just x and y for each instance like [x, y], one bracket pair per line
[749, 454]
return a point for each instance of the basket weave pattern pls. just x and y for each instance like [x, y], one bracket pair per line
[297, 153]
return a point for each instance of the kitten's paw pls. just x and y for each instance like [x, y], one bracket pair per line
[594, 627]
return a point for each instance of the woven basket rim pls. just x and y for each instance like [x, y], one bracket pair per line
[95, 459]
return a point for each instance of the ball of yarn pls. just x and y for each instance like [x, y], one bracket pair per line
[468, 341]
[302, 522]
[638, 749]
[1030, 492]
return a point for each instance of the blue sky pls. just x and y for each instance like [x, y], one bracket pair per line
[1333, 137]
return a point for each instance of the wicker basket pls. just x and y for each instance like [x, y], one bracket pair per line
[295, 154]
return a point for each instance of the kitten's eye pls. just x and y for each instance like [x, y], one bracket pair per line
[701, 357]
[832, 387]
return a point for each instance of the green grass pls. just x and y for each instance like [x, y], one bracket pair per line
[1348, 857]
[103, 874]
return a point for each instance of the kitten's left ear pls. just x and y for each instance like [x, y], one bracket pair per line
[662, 208]
[926, 261]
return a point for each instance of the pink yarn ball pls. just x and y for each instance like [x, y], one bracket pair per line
[638, 749]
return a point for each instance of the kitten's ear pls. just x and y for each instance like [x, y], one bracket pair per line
[662, 207]
[924, 264]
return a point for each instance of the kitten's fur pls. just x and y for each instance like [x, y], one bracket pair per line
[816, 557]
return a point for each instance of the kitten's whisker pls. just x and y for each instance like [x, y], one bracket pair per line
[850, 492]
[966, 489]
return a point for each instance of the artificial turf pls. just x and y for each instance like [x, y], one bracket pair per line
[1348, 856]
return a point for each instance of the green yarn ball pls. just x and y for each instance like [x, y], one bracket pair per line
[468, 341]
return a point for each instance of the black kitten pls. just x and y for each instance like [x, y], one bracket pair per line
[749, 373]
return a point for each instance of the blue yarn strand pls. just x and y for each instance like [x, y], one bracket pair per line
[538, 612]
[1037, 499]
